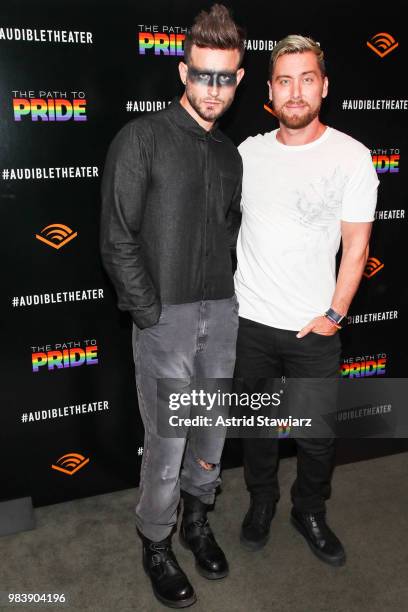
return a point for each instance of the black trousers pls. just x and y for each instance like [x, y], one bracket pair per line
[264, 352]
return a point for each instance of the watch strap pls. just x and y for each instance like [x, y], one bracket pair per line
[336, 318]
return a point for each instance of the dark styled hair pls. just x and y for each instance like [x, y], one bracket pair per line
[215, 30]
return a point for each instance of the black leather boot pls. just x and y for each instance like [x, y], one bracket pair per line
[170, 584]
[256, 524]
[321, 539]
[197, 536]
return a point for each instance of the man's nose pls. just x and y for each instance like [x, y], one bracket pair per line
[213, 87]
[296, 89]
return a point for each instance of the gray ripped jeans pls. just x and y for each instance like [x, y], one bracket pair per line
[195, 340]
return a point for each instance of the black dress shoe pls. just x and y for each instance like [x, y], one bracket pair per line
[321, 539]
[170, 584]
[257, 523]
[196, 535]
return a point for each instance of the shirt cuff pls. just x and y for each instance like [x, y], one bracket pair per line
[147, 316]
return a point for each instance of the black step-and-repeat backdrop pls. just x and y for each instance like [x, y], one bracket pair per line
[72, 73]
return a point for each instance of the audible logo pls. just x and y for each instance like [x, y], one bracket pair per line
[397, 213]
[70, 463]
[372, 317]
[373, 266]
[382, 44]
[56, 235]
[260, 45]
[43, 35]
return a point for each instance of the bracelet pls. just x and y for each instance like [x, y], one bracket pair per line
[335, 317]
[332, 321]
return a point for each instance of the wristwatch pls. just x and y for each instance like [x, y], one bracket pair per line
[337, 319]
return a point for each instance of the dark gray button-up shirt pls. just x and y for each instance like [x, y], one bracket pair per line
[170, 213]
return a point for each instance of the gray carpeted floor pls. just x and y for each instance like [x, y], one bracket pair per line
[88, 550]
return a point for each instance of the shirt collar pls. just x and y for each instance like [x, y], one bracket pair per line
[184, 120]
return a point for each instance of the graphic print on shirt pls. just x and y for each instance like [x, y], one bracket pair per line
[319, 203]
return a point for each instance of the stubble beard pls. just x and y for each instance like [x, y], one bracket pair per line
[294, 121]
[207, 115]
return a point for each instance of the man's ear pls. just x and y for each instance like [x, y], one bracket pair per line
[325, 87]
[240, 74]
[270, 90]
[183, 72]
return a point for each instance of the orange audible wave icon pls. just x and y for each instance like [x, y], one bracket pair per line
[373, 266]
[382, 44]
[56, 235]
[268, 107]
[70, 463]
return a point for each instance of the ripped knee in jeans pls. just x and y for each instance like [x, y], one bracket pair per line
[206, 465]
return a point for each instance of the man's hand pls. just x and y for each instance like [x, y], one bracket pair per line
[319, 325]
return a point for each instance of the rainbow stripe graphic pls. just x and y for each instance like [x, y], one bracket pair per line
[283, 432]
[162, 43]
[386, 163]
[49, 109]
[67, 358]
[363, 369]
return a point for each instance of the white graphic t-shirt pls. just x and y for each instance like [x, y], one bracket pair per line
[293, 201]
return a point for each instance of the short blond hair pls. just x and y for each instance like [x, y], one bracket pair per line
[295, 43]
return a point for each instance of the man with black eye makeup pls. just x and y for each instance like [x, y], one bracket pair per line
[212, 78]
[171, 195]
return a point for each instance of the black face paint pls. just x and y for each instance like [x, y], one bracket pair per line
[210, 78]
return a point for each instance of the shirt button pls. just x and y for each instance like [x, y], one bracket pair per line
[208, 220]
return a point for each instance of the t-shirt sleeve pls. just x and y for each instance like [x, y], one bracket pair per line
[360, 193]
